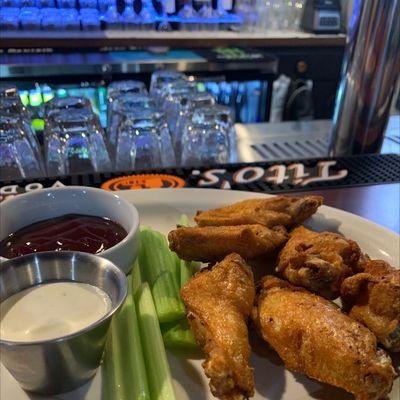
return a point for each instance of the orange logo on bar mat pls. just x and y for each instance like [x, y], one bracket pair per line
[145, 181]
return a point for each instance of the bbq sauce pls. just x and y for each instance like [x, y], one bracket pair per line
[73, 232]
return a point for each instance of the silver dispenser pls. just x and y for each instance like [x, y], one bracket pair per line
[371, 67]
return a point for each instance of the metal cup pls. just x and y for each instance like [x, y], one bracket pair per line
[61, 364]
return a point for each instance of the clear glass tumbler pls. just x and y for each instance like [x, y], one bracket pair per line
[137, 145]
[13, 105]
[20, 158]
[67, 103]
[124, 105]
[74, 143]
[204, 143]
[120, 87]
[161, 78]
[143, 140]
[187, 106]
[224, 116]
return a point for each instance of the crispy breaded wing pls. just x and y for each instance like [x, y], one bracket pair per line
[314, 337]
[372, 297]
[219, 303]
[318, 261]
[277, 210]
[213, 243]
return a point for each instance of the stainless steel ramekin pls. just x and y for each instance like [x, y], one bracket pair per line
[61, 364]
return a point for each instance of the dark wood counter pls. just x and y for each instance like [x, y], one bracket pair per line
[378, 203]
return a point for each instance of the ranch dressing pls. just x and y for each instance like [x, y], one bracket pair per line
[51, 310]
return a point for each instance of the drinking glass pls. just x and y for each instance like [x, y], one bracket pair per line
[161, 78]
[209, 17]
[172, 96]
[147, 16]
[168, 158]
[187, 106]
[20, 157]
[119, 87]
[204, 143]
[87, 4]
[70, 19]
[8, 90]
[30, 19]
[247, 9]
[124, 105]
[9, 18]
[13, 105]
[131, 19]
[189, 17]
[67, 103]
[45, 3]
[143, 139]
[66, 3]
[224, 116]
[51, 19]
[90, 19]
[74, 143]
[137, 144]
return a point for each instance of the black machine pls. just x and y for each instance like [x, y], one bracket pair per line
[321, 16]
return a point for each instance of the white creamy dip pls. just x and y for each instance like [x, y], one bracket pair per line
[51, 310]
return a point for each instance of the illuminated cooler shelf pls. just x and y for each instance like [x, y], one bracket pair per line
[176, 39]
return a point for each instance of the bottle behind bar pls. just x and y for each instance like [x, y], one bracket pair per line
[169, 7]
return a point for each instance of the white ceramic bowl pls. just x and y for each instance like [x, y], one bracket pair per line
[38, 205]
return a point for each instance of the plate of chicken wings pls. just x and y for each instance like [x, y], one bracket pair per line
[295, 300]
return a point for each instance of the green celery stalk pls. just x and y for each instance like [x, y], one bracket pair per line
[187, 268]
[159, 268]
[158, 372]
[184, 220]
[125, 372]
[186, 271]
[112, 370]
[137, 277]
[179, 337]
[155, 256]
[169, 306]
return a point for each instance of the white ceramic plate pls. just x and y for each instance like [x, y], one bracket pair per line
[161, 209]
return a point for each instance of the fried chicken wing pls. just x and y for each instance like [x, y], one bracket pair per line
[277, 210]
[219, 303]
[213, 243]
[314, 337]
[318, 261]
[372, 297]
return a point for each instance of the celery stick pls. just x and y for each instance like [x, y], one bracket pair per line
[179, 337]
[137, 378]
[107, 369]
[124, 368]
[159, 267]
[137, 277]
[186, 272]
[113, 372]
[184, 220]
[155, 256]
[187, 269]
[169, 306]
[158, 372]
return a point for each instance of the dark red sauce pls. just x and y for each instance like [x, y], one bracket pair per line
[73, 232]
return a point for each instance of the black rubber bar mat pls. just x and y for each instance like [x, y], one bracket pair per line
[268, 177]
